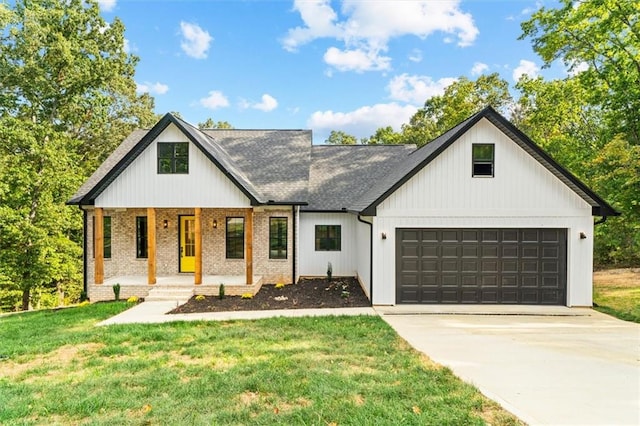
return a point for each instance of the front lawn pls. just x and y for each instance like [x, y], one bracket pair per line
[617, 292]
[57, 368]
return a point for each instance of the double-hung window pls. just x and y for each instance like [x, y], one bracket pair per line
[173, 157]
[483, 159]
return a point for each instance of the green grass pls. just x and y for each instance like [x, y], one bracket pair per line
[617, 292]
[57, 368]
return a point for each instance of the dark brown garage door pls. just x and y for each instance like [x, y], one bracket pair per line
[515, 266]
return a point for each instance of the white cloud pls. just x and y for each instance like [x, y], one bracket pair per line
[195, 40]
[525, 68]
[577, 68]
[362, 122]
[415, 55]
[152, 88]
[478, 68]
[268, 103]
[368, 26]
[416, 89]
[215, 100]
[107, 5]
[356, 60]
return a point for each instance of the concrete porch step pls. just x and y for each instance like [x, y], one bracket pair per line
[167, 293]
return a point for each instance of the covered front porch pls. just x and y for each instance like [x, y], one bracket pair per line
[188, 250]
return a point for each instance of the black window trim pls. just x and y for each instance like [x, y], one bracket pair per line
[174, 158]
[323, 242]
[483, 162]
[142, 239]
[286, 238]
[227, 237]
[106, 237]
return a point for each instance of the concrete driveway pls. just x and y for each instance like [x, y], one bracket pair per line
[548, 366]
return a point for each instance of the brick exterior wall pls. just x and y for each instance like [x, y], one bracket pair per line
[123, 261]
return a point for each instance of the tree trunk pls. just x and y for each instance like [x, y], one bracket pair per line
[26, 295]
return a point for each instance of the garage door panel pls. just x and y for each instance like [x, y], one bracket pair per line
[481, 266]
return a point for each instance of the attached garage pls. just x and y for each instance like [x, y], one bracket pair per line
[509, 266]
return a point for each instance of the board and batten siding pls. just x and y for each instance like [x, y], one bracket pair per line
[314, 263]
[523, 194]
[140, 185]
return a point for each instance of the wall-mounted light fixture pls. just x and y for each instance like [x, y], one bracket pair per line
[384, 235]
[215, 224]
[583, 236]
[165, 224]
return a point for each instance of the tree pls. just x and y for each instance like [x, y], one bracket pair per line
[383, 136]
[210, 123]
[338, 137]
[459, 101]
[67, 98]
[604, 35]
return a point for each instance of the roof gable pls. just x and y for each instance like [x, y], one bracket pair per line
[422, 157]
[139, 140]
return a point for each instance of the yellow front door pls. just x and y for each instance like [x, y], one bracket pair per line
[187, 244]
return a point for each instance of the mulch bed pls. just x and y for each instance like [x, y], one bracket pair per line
[340, 292]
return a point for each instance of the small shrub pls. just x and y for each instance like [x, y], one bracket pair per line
[116, 291]
[83, 296]
[247, 296]
[221, 292]
[133, 299]
[280, 285]
[345, 294]
[200, 297]
[329, 271]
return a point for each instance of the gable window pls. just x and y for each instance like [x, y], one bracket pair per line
[483, 159]
[173, 157]
[277, 238]
[235, 238]
[141, 237]
[106, 237]
[328, 237]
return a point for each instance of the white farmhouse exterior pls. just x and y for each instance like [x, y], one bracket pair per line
[479, 215]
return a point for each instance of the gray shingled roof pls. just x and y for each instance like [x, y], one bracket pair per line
[275, 161]
[283, 167]
[341, 174]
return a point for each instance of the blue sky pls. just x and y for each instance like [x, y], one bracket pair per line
[321, 65]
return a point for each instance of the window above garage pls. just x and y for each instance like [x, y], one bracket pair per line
[483, 159]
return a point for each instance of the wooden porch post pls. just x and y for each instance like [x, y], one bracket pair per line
[198, 245]
[151, 245]
[248, 235]
[98, 245]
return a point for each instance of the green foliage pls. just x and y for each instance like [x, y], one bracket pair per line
[329, 271]
[210, 123]
[605, 35]
[67, 98]
[116, 291]
[384, 136]
[338, 137]
[459, 101]
[221, 292]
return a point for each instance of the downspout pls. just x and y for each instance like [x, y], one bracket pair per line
[370, 257]
[598, 222]
[84, 250]
[293, 276]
